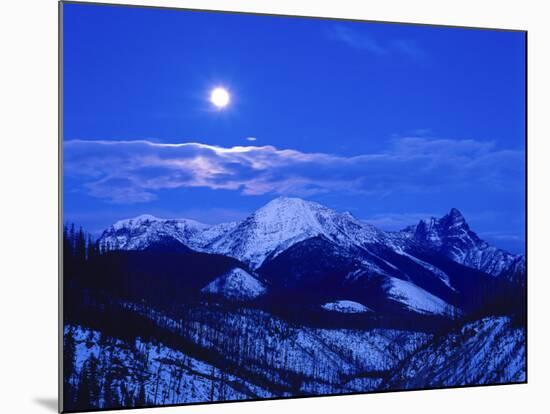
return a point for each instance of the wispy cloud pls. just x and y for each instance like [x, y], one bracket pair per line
[419, 132]
[251, 139]
[502, 236]
[512, 241]
[363, 40]
[409, 48]
[136, 171]
[358, 40]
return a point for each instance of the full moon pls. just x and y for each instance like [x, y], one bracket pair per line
[219, 97]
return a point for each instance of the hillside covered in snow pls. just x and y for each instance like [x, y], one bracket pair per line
[295, 300]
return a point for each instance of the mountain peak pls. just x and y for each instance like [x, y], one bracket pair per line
[148, 219]
[455, 212]
[286, 221]
[143, 218]
[436, 230]
[282, 209]
[285, 199]
[455, 215]
[452, 220]
[139, 232]
[290, 202]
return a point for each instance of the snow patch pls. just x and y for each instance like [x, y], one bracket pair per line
[346, 306]
[444, 277]
[416, 298]
[236, 284]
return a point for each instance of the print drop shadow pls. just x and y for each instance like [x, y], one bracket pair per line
[49, 403]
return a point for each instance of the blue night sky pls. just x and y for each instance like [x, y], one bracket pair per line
[390, 122]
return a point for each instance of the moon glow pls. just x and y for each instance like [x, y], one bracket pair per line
[220, 97]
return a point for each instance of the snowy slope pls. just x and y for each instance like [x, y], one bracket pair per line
[435, 270]
[240, 353]
[319, 360]
[286, 221]
[346, 306]
[486, 351]
[141, 373]
[236, 284]
[140, 232]
[416, 298]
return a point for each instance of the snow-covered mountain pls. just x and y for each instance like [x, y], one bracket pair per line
[140, 232]
[311, 254]
[268, 231]
[286, 221]
[451, 236]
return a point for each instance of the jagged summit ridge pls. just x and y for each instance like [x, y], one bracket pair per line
[142, 231]
[451, 236]
[286, 221]
[437, 231]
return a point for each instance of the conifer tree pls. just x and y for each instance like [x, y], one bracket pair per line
[68, 367]
[87, 395]
[141, 399]
[80, 245]
[72, 238]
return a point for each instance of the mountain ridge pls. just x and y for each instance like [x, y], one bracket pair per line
[285, 221]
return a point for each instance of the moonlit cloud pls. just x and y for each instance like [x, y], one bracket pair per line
[136, 171]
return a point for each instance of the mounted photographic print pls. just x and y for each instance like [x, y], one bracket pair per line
[261, 207]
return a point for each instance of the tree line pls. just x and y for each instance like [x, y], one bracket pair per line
[78, 246]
